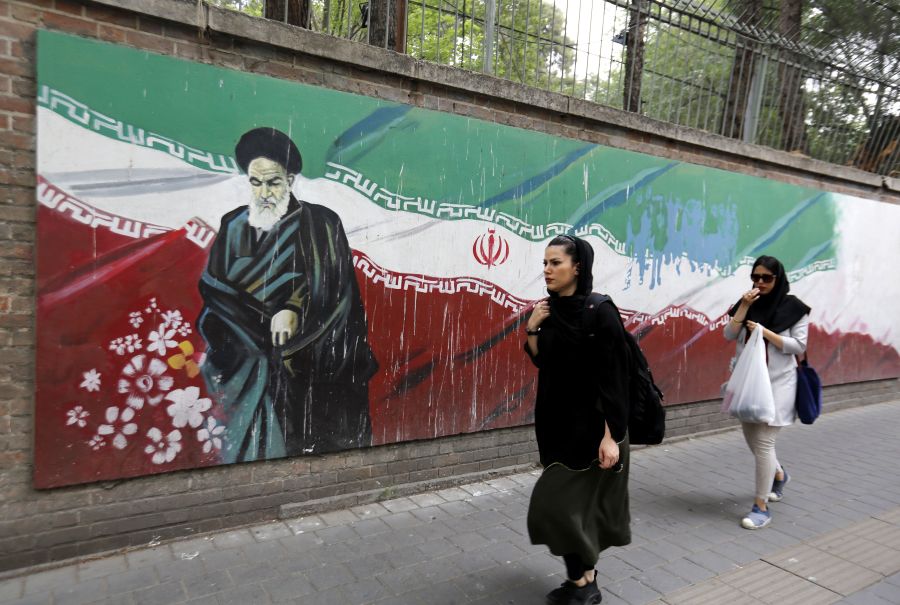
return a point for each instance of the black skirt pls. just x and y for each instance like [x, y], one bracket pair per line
[581, 512]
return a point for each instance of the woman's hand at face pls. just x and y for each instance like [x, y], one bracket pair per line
[750, 297]
[540, 313]
[609, 453]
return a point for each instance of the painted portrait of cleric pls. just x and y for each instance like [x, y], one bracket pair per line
[285, 329]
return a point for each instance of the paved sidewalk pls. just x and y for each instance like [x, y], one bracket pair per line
[835, 538]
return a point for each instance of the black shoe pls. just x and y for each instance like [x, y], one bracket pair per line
[561, 595]
[588, 594]
[570, 594]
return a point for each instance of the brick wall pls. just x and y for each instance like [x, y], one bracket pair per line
[38, 527]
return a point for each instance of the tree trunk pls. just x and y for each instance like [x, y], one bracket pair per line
[292, 12]
[634, 56]
[741, 73]
[387, 24]
[791, 107]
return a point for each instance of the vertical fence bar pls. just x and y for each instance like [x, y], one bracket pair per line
[490, 9]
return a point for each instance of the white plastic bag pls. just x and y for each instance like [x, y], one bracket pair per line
[748, 394]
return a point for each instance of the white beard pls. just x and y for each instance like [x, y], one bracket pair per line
[266, 218]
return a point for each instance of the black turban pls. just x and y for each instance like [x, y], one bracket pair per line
[271, 144]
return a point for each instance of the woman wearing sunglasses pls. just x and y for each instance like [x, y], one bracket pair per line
[784, 320]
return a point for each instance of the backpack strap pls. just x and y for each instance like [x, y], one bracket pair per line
[592, 305]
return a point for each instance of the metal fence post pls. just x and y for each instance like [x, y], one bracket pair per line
[490, 10]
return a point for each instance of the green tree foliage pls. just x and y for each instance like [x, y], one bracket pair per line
[530, 42]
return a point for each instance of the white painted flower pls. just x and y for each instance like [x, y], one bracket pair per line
[151, 306]
[161, 340]
[144, 382]
[135, 319]
[163, 448]
[91, 380]
[97, 442]
[209, 435]
[77, 415]
[187, 407]
[119, 426]
[172, 319]
[117, 345]
[184, 329]
[126, 344]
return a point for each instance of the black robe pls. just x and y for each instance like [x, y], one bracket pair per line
[310, 395]
[584, 369]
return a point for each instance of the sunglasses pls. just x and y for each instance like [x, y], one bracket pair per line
[767, 278]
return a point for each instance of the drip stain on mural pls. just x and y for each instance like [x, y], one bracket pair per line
[326, 273]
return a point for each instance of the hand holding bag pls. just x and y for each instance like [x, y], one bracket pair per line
[809, 392]
[748, 394]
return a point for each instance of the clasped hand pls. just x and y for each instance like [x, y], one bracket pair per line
[283, 326]
[608, 453]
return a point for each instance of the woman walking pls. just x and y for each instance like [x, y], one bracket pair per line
[580, 504]
[784, 320]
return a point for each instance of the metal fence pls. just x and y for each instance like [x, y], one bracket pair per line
[738, 73]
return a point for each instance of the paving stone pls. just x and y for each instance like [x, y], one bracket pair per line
[329, 576]
[101, 568]
[772, 584]
[661, 581]
[632, 592]
[271, 531]
[11, 589]
[287, 590]
[369, 511]
[370, 527]
[81, 593]
[45, 581]
[824, 569]
[233, 539]
[251, 594]
[253, 573]
[133, 579]
[166, 593]
[427, 499]
[209, 583]
[338, 517]
[399, 505]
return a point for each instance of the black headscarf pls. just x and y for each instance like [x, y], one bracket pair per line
[569, 309]
[777, 310]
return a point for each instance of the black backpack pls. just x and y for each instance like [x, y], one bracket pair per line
[646, 415]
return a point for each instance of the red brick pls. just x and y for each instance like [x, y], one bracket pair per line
[23, 123]
[15, 67]
[110, 15]
[149, 42]
[18, 177]
[72, 25]
[111, 34]
[16, 104]
[150, 25]
[176, 31]
[14, 29]
[26, 13]
[23, 159]
[15, 140]
[5, 84]
[68, 6]
[20, 196]
[193, 52]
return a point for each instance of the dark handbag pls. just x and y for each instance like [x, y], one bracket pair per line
[809, 392]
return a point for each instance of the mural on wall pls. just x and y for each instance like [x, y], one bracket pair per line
[233, 267]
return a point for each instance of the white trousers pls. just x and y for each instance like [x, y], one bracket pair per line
[761, 439]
